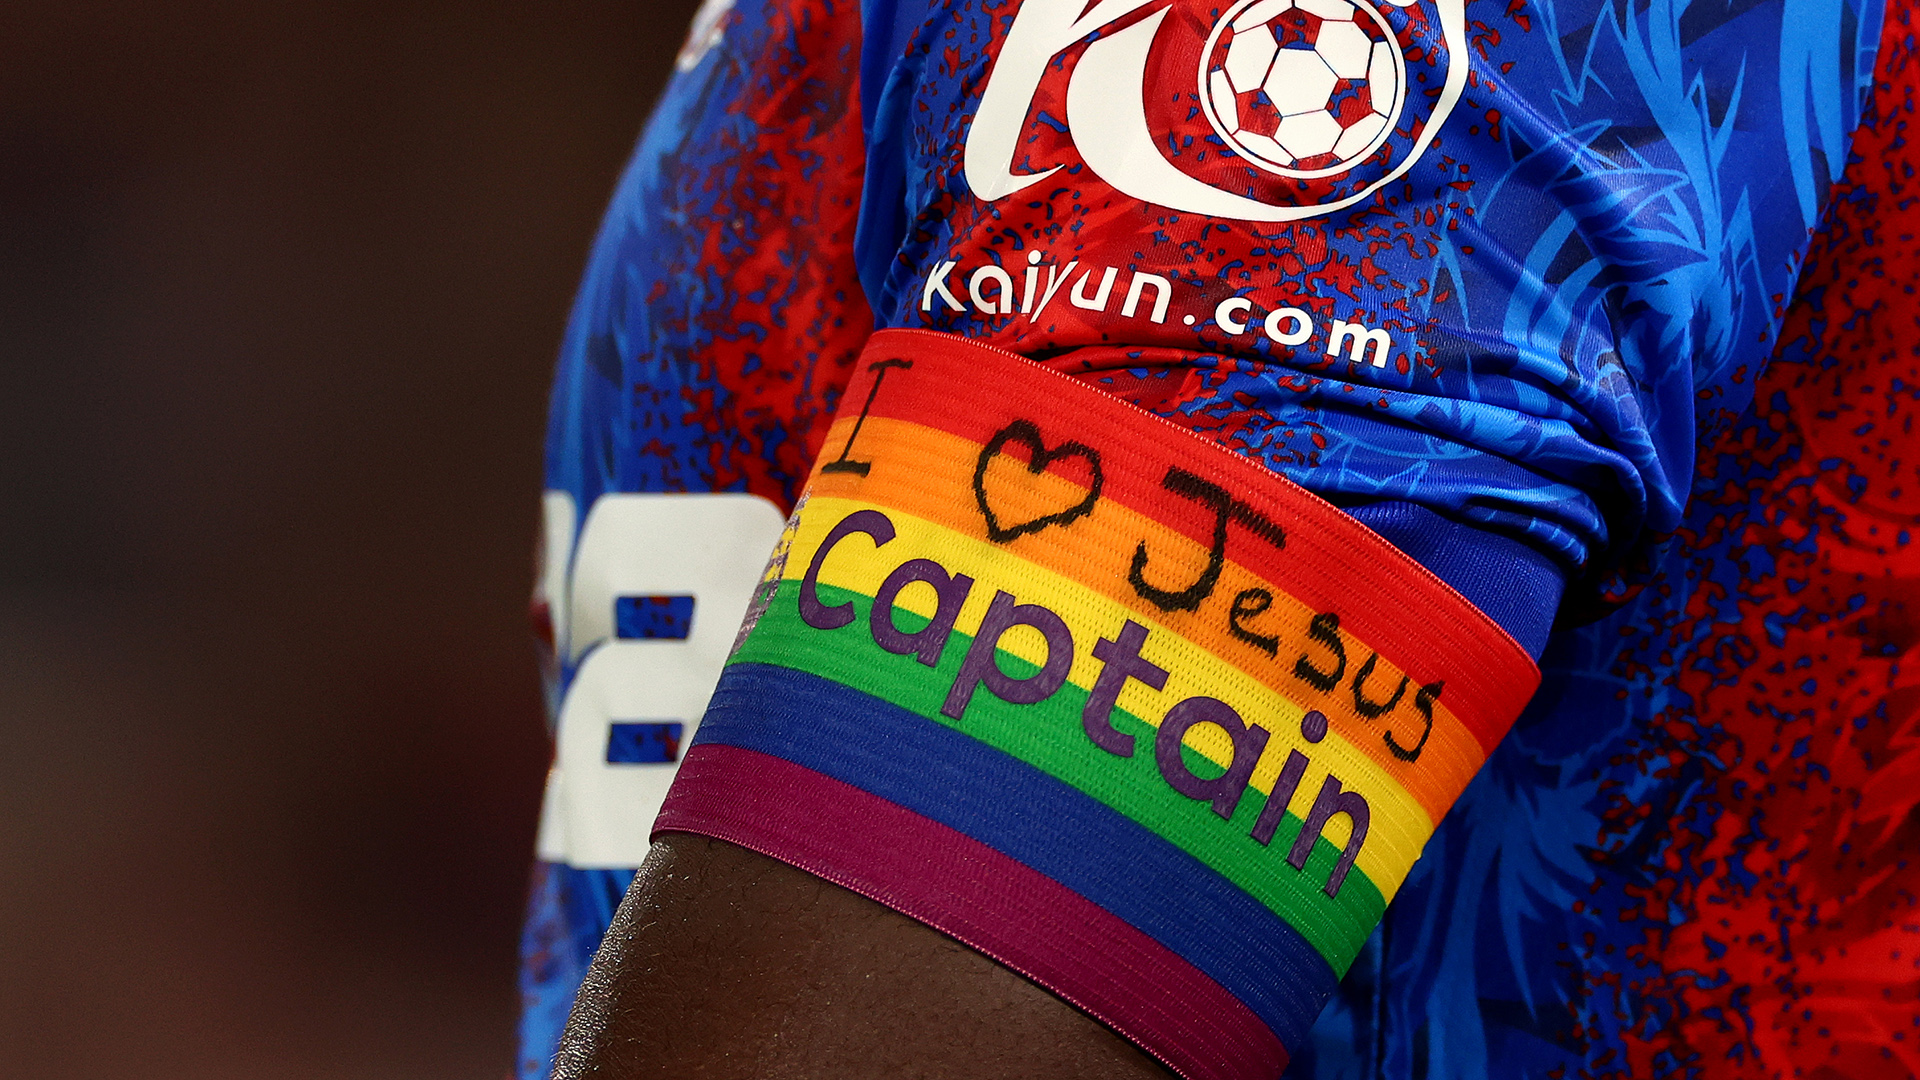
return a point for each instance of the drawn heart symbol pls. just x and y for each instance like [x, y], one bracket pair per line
[1026, 434]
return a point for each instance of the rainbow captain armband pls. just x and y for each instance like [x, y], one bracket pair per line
[1128, 712]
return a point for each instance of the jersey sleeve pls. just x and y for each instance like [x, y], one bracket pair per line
[1495, 266]
[1250, 382]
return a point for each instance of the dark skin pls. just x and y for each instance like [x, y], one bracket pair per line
[722, 963]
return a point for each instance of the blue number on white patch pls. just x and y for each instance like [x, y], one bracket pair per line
[646, 615]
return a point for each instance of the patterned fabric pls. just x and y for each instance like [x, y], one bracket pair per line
[1692, 855]
[1594, 243]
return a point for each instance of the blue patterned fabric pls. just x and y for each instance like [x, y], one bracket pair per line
[1598, 248]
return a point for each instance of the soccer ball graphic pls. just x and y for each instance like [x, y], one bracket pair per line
[1302, 88]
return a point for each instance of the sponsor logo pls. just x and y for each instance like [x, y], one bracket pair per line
[1309, 106]
[991, 290]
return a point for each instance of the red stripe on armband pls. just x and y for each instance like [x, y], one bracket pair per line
[1137, 676]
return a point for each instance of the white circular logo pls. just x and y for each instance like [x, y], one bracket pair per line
[1302, 88]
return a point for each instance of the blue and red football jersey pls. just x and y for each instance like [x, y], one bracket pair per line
[1598, 311]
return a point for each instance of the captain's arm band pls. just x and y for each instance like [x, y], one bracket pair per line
[1128, 712]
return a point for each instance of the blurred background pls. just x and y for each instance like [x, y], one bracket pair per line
[280, 291]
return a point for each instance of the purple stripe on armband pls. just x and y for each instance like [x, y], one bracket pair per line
[999, 906]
